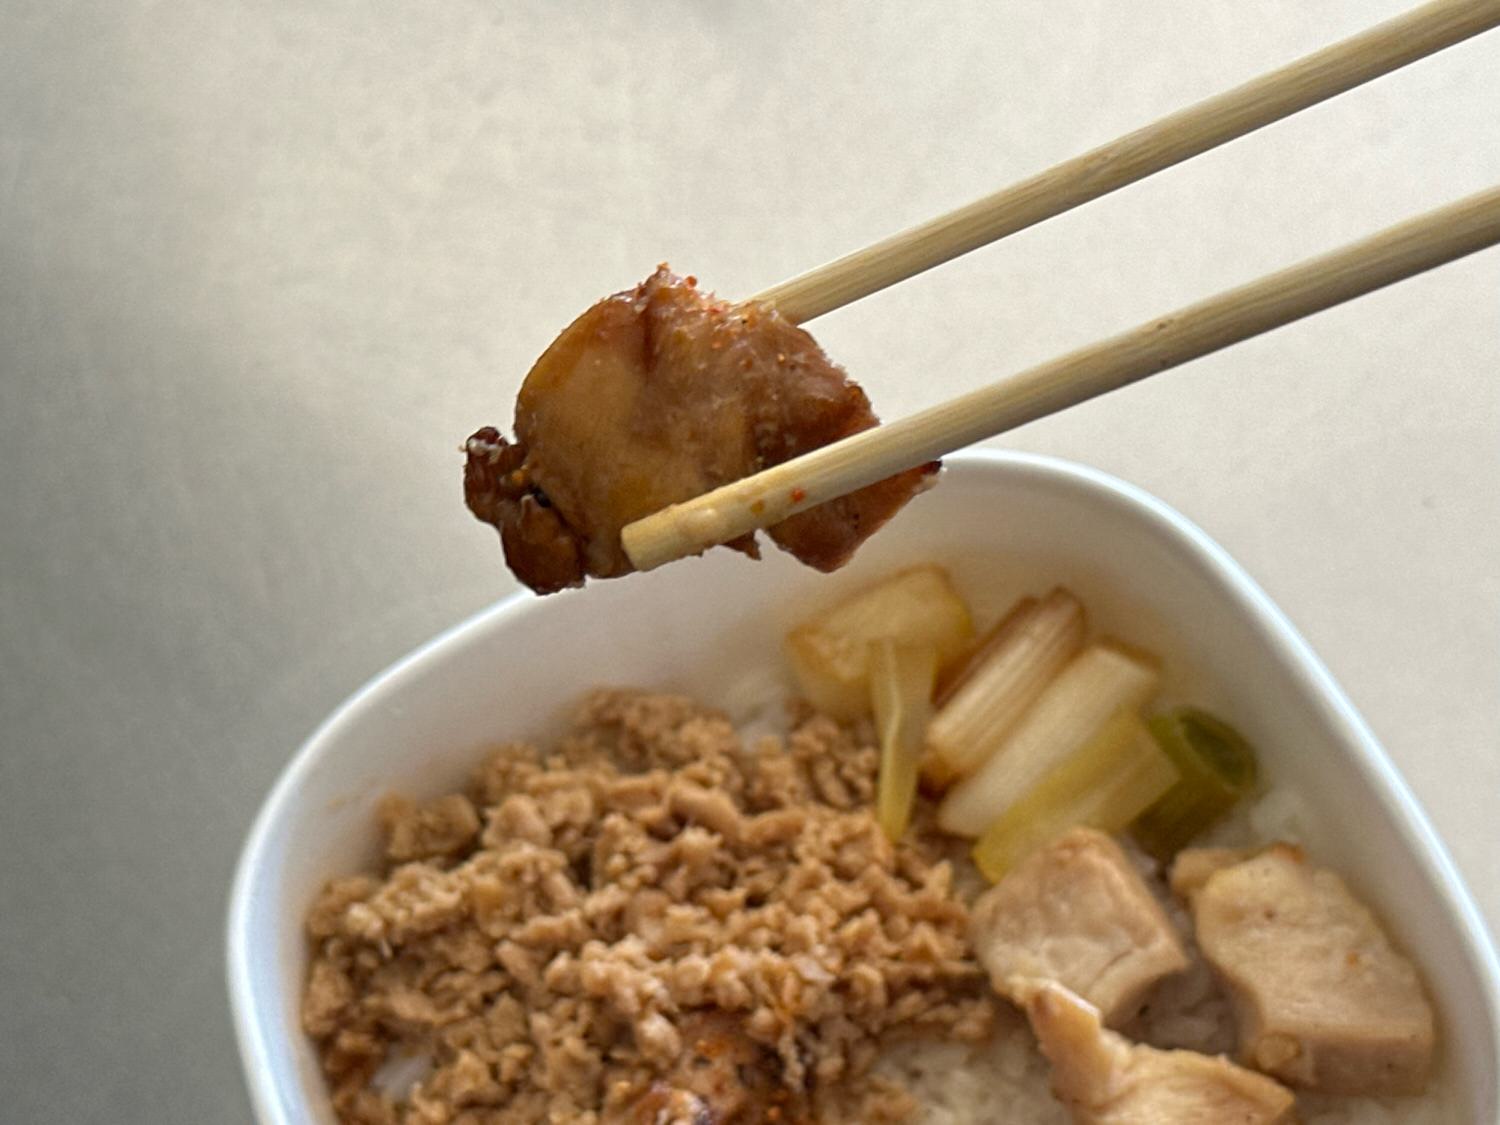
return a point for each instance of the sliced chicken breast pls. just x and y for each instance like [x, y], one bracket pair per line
[1104, 1079]
[1077, 912]
[1323, 999]
[1195, 866]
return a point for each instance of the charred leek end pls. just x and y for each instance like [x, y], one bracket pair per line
[1099, 681]
[1013, 665]
[1104, 784]
[901, 681]
[1217, 768]
[916, 608]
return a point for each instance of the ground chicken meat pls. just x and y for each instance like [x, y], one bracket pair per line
[648, 923]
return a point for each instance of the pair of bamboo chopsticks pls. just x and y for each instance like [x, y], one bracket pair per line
[1310, 286]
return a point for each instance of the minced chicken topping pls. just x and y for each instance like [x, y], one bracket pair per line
[647, 924]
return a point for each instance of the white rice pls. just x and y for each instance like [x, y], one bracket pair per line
[1002, 1082]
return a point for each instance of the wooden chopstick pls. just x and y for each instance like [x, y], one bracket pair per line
[1171, 140]
[1279, 298]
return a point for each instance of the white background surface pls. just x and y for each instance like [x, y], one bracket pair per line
[263, 265]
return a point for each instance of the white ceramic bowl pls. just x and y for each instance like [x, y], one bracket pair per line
[1003, 524]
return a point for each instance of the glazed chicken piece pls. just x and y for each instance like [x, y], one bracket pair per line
[1104, 1079]
[723, 1078]
[1322, 998]
[654, 396]
[1077, 912]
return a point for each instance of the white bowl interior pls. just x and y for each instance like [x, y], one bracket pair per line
[1004, 524]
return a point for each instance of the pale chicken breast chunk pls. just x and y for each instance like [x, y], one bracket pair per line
[1193, 867]
[1323, 1000]
[1077, 912]
[1104, 1079]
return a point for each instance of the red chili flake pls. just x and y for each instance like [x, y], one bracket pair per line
[799, 495]
[691, 281]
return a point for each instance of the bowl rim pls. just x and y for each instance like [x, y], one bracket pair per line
[1275, 628]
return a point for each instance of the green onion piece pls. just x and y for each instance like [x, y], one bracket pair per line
[1217, 767]
[830, 653]
[901, 681]
[1003, 677]
[1096, 683]
[1104, 784]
